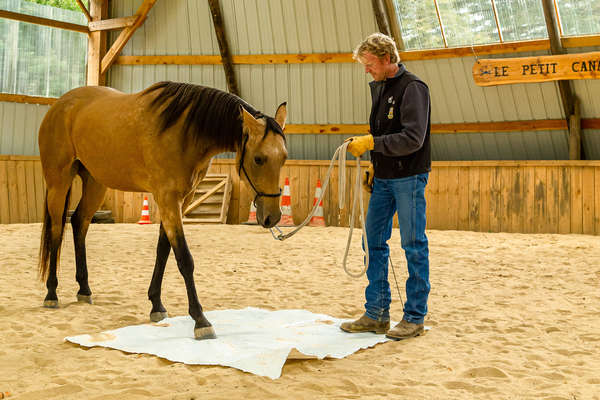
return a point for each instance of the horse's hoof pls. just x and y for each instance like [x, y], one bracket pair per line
[82, 298]
[51, 303]
[207, 332]
[158, 316]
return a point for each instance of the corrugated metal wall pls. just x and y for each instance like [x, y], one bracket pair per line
[455, 99]
[338, 93]
[329, 93]
[316, 93]
[588, 92]
[19, 124]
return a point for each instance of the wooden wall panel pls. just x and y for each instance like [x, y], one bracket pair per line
[485, 196]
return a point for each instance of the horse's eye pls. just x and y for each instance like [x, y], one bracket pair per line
[259, 160]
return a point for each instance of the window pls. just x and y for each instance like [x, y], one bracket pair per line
[427, 24]
[419, 24]
[579, 17]
[37, 60]
[521, 20]
[468, 22]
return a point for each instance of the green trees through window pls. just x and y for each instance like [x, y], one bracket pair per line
[65, 4]
[37, 60]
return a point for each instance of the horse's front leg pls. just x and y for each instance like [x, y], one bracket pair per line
[163, 249]
[170, 212]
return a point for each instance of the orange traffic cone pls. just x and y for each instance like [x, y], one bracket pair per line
[145, 219]
[286, 206]
[252, 216]
[318, 219]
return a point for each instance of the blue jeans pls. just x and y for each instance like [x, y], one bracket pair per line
[407, 196]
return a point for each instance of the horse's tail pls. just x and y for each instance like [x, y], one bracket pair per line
[46, 241]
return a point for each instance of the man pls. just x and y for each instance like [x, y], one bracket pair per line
[401, 161]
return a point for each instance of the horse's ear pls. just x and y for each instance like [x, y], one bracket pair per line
[281, 114]
[249, 121]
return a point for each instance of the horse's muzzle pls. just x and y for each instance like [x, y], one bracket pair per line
[270, 220]
[268, 212]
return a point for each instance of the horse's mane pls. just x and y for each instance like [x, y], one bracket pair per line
[213, 114]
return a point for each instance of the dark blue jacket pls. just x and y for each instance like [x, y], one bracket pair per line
[400, 123]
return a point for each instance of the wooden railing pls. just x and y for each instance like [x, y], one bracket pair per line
[485, 196]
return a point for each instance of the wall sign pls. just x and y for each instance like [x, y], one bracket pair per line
[502, 71]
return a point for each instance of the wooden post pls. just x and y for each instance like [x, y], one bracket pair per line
[96, 44]
[566, 94]
[30, 19]
[125, 35]
[381, 17]
[215, 11]
[390, 9]
[84, 10]
[575, 132]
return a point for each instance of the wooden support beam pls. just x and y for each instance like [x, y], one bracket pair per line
[466, 127]
[575, 132]
[215, 11]
[381, 17]
[581, 41]
[111, 24]
[43, 21]
[96, 45]
[590, 123]
[335, 129]
[390, 9]
[503, 126]
[338, 58]
[126, 34]
[84, 10]
[251, 59]
[566, 94]
[21, 98]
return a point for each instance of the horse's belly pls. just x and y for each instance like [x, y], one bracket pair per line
[114, 166]
[118, 176]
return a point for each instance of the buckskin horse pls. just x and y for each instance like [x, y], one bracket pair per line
[160, 140]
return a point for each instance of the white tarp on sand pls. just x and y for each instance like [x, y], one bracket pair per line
[252, 339]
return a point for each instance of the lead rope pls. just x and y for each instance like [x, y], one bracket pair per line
[340, 154]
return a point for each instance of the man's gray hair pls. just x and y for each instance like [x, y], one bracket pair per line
[379, 45]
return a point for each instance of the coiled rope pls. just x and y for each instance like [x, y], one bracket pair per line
[340, 154]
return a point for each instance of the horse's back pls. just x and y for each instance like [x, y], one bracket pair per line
[95, 125]
[67, 107]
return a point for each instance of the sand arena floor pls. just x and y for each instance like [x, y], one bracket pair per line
[513, 316]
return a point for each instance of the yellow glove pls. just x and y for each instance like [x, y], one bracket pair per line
[368, 176]
[359, 144]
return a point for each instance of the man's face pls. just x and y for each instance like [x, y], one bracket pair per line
[374, 65]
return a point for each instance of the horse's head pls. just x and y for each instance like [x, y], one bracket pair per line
[260, 159]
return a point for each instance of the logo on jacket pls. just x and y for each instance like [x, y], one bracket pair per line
[391, 111]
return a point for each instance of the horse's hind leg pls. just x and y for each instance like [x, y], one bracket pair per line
[163, 249]
[92, 196]
[57, 202]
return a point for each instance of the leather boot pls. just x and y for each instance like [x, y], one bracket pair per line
[365, 324]
[405, 330]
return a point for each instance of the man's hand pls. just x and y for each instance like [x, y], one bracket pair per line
[368, 176]
[360, 144]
